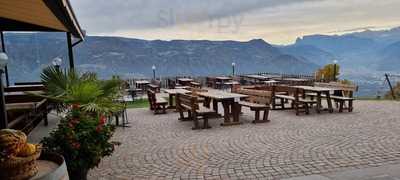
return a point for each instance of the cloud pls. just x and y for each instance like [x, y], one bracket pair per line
[276, 21]
[102, 16]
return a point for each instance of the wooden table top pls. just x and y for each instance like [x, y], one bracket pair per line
[185, 79]
[182, 87]
[195, 83]
[221, 95]
[142, 82]
[176, 91]
[232, 83]
[154, 86]
[315, 89]
[294, 79]
[270, 81]
[223, 78]
[259, 77]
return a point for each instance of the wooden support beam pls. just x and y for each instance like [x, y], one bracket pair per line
[3, 49]
[3, 112]
[70, 51]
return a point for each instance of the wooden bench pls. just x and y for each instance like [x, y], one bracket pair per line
[21, 88]
[195, 92]
[154, 87]
[157, 104]
[171, 83]
[195, 85]
[25, 111]
[343, 93]
[190, 104]
[299, 102]
[257, 101]
[211, 82]
[276, 90]
[27, 83]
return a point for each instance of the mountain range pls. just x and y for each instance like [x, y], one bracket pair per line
[134, 57]
[363, 56]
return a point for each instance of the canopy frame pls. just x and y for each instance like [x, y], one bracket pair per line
[56, 16]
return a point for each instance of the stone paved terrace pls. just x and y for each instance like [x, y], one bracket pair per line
[161, 147]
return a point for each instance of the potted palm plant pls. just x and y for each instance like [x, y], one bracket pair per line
[83, 136]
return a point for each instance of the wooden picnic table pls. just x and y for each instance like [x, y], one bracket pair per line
[220, 80]
[185, 81]
[319, 92]
[230, 101]
[154, 87]
[172, 93]
[295, 81]
[231, 84]
[271, 82]
[141, 84]
[257, 77]
[223, 78]
[195, 84]
[182, 87]
[133, 92]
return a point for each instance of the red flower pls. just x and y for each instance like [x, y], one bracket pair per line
[102, 120]
[75, 106]
[99, 129]
[71, 125]
[76, 145]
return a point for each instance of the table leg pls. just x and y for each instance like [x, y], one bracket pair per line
[329, 100]
[207, 102]
[227, 104]
[319, 105]
[215, 105]
[235, 112]
[227, 119]
[171, 101]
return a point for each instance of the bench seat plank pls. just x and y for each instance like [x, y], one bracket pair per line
[160, 100]
[252, 105]
[285, 97]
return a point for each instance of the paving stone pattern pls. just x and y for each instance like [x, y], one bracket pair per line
[162, 147]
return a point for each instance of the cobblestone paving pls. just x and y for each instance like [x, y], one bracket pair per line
[161, 147]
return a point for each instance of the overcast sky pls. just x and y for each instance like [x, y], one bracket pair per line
[275, 21]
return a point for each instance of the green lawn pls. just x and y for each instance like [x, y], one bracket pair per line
[138, 103]
[141, 103]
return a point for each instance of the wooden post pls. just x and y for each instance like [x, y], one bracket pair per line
[70, 52]
[3, 112]
[3, 48]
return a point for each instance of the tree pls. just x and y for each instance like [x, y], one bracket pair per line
[396, 90]
[327, 73]
[92, 95]
[83, 136]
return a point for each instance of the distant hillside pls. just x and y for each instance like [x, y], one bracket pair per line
[363, 56]
[338, 45]
[309, 52]
[390, 58]
[367, 49]
[133, 57]
[384, 37]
